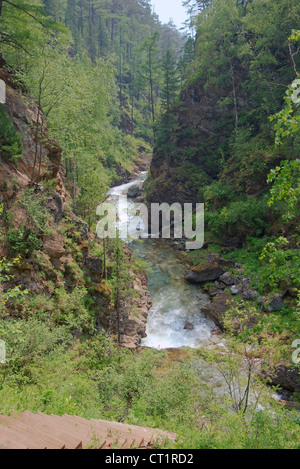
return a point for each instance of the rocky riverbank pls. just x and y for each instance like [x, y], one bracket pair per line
[228, 287]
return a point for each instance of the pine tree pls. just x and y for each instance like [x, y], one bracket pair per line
[167, 122]
[150, 47]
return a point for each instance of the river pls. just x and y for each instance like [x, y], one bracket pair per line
[176, 303]
[174, 320]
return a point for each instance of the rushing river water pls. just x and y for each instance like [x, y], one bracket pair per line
[175, 301]
[174, 320]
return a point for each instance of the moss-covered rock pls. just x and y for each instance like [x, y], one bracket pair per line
[204, 273]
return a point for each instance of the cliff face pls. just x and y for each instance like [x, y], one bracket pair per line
[211, 123]
[24, 113]
[57, 264]
[202, 128]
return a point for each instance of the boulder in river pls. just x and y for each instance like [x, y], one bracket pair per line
[189, 326]
[134, 191]
[204, 273]
[218, 307]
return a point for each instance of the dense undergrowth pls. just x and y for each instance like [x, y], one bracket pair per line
[93, 378]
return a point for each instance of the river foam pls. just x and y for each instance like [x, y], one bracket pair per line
[175, 319]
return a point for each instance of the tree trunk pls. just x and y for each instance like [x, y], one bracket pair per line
[151, 87]
[120, 71]
[41, 153]
[234, 100]
[74, 175]
[104, 259]
[36, 143]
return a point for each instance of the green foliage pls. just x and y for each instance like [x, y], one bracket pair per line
[281, 265]
[242, 64]
[72, 309]
[96, 106]
[281, 262]
[28, 342]
[166, 125]
[96, 380]
[185, 63]
[23, 23]
[27, 236]
[234, 431]
[242, 218]
[193, 176]
[35, 206]
[217, 195]
[286, 187]
[22, 240]
[11, 293]
[287, 121]
[8, 294]
[94, 82]
[10, 140]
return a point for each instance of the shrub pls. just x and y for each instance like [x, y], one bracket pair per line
[28, 236]
[10, 139]
[23, 240]
[217, 195]
[242, 218]
[281, 265]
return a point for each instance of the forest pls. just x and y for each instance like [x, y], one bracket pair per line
[101, 100]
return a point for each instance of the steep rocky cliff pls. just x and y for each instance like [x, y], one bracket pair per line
[200, 131]
[57, 263]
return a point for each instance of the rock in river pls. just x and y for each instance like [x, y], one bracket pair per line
[218, 307]
[189, 326]
[134, 191]
[204, 273]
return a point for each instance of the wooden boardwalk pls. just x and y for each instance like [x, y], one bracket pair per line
[40, 431]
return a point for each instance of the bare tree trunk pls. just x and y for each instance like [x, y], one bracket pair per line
[112, 30]
[38, 124]
[104, 259]
[292, 55]
[120, 71]
[36, 144]
[151, 87]
[235, 100]
[74, 174]
[41, 152]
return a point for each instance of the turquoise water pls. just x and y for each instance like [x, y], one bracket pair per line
[175, 301]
